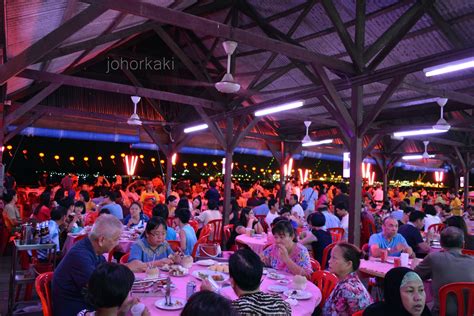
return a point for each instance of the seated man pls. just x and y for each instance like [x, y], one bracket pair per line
[74, 271]
[245, 270]
[447, 266]
[319, 238]
[389, 239]
[58, 216]
[332, 220]
[411, 232]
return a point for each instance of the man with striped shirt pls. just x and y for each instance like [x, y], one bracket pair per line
[245, 270]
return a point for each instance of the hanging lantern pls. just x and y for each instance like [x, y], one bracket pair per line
[112, 157]
[71, 158]
[162, 161]
[41, 155]
[131, 164]
[9, 147]
[153, 159]
[205, 164]
[99, 158]
[86, 159]
[56, 157]
[122, 155]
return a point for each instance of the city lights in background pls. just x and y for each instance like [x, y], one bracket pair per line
[366, 174]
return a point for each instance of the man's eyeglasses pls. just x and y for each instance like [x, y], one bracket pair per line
[157, 234]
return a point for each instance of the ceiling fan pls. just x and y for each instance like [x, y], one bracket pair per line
[306, 138]
[228, 84]
[134, 118]
[442, 124]
[425, 154]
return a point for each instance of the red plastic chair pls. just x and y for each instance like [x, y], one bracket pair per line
[170, 222]
[336, 233]
[216, 230]
[78, 238]
[43, 288]
[206, 230]
[228, 231]
[201, 240]
[124, 258]
[359, 313]
[437, 228]
[326, 282]
[194, 224]
[325, 258]
[174, 244]
[458, 290]
[368, 228]
[468, 252]
[315, 264]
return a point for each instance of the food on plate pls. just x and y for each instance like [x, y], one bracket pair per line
[215, 277]
[220, 268]
[177, 303]
[176, 270]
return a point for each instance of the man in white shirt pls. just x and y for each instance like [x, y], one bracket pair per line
[431, 216]
[331, 219]
[274, 207]
[310, 195]
[296, 208]
[344, 216]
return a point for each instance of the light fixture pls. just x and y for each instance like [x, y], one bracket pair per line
[318, 142]
[418, 132]
[195, 128]
[131, 164]
[442, 125]
[228, 84]
[416, 157]
[280, 108]
[449, 67]
[306, 138]
[134, 118]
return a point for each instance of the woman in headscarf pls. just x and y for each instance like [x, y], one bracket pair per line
[404, 294]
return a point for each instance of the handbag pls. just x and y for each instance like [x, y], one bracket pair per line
[209, 250]
[304, 203]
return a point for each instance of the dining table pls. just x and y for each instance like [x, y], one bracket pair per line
[271, 280]
[256, 242]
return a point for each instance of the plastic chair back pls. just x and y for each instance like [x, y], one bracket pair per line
[194, 224]
[80, 237]
[201, 240]
[216, 230]
[436, 228]
[43, 288]
[228, 231]
[315, 264]
[368, 228]
[468, 252]
[124, 258]
[174, 244]
[325, 258]
[359, 313]
[326, 282]
[336, 233]
[458, 289]
[170, 222]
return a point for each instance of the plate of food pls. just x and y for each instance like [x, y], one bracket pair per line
[176, 303]
[206, 263]
[275, 276]
[220, 267]
[178, 271]
[277, 288]
[298, 294]
[216, 276]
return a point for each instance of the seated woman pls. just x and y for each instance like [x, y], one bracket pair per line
[161, 210]
[404, 294]
[207, 303]
[136, 218]
[286, 212]
[187, 235]
[286, 254]
[246, 221]
[43, 211]
[317, 238]
[152, 247]
[349, 295]
[11, 214]
[108, 291]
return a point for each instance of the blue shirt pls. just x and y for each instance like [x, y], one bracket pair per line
[379, 239]
[262, 209]
[190, 239]
[71, 277]
[412, 235]
[115, 210]
[142, 251]
[398, 215]
[170, 233]
[331, 220]
[141, 223]
[53, 237]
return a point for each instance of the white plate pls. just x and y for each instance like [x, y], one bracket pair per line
[161, 304]
[197, 275]
[206, 263]
[291, 301]
[277, 288]
[284, 281]
[275, 276]
[300, 295]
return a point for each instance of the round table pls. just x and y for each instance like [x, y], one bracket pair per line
[374, 267]
[125, 243]
[304, 307]
[257, 242]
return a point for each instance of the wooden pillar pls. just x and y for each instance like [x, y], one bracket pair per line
[227, 184]
[281, 198]
[467, 173]
[2, 135]
[355, 190]
[169, 173]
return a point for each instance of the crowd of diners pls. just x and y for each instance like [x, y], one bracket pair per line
[297, 216]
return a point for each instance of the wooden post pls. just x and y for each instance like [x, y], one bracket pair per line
[227, 185]
[169, 173]
[467, 173]
[2, 135]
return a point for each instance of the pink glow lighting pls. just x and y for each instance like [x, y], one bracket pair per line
[131, 164]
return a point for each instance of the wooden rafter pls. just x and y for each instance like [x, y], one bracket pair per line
[29, 121]
[39, 49]
[445, 27]
[213, 127]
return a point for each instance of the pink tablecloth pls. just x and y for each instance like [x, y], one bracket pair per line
[304, 307]
[124, 243]
[376, 268]
[255, 243]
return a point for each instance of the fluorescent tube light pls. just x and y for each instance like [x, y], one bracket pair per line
[418, 132]
[415, 157]
[195, 128]
[280, 108]
[318, 142]
[449, 67]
